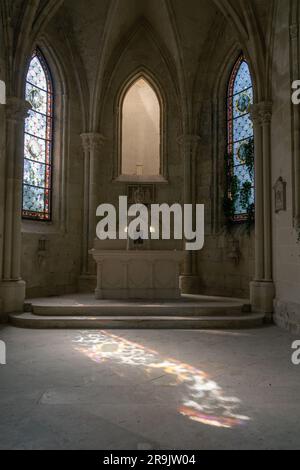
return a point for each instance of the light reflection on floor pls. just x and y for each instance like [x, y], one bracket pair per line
[202, 399]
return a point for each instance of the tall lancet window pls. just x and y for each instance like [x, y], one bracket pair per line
[141, 131]
[240, 143]
[37, 176]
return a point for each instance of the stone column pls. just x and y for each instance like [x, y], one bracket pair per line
[189, 281]
[259, 213]
[85, 223]
[266, 117]
[92, 144]
[262, 288]
[12, 288]
[2, 184]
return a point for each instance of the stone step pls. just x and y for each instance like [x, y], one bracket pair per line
[180, 308]
[30, 320]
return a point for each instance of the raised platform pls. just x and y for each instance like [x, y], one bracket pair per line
[189, 312]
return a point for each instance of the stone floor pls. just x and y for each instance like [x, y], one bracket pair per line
[149, 390]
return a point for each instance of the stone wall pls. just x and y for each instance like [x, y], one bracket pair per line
[286, 250]
[51, 252]
[2, 162]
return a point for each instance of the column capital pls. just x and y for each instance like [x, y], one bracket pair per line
[17, 109]
[266, 112]
[92, 141]
[255, 114]
[261, 113]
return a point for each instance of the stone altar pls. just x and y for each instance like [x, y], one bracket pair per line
[136, 274]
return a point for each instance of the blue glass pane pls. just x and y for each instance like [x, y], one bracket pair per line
[37, 98]
[243, 174]
[242, 128]
[243, 78]
[36, 124]
[239, 149]
[34, 174]
[35, 149]
[242, 102]
[33, 199]
[36, 75]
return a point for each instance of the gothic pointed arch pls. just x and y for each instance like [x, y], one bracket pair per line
[38, 141]
[240, 144]
[140, 128]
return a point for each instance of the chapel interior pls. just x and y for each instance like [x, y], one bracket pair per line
[166, 102]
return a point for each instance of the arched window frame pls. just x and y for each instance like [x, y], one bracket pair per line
[48, 143]
[146, 75]
[233, 192]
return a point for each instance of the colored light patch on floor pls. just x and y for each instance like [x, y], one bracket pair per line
[202, 399]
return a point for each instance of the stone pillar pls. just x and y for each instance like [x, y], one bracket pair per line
[85, 223]
[259, 205]
[12, 288]
[189, 281]
[262, 288]
[266, 117]
[2, 185]
[92, 144]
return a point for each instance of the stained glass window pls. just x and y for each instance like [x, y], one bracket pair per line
[37, 176]
[240, 152]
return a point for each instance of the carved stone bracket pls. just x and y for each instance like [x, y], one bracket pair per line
[17, 109]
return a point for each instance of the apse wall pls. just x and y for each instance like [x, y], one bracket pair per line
[52, 253]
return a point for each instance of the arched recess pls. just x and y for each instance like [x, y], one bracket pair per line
[38, 141]
[153, 91]
[240, 144]
[60, 141]
[220, 129]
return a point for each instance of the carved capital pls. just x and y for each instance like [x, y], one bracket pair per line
[261, 113]
[92, 141]
[255, 115]
[266, 112]
[17, 109]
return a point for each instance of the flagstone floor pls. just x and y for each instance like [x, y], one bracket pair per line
[149, 390]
